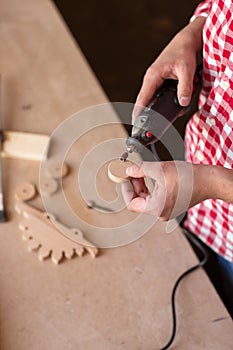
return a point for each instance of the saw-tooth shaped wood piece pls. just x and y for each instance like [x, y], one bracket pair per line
[44, 252]
[56, 256]
[41, 232]
[78, 237]
[33, 244]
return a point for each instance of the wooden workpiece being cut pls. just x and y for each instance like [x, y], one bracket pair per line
[117, 170]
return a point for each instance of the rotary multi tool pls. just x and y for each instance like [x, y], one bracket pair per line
[158, 115]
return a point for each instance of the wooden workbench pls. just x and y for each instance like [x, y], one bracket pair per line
[120, 300]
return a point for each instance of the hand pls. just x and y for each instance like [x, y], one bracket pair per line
[178, 185]
[177, 61]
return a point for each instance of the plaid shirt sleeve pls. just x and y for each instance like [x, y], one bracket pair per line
[209, 133]
[202, 9]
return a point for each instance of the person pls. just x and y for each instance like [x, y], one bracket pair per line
[208, 138]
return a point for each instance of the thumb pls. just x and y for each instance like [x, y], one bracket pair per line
[135, 171]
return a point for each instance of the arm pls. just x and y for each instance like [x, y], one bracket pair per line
[178, 185]
[217, 181]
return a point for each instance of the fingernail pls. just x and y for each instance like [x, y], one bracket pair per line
[184, 100]
[129, 170]
[136, 112]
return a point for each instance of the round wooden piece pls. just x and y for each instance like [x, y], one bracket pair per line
[25, 191]
[116, 170]
[55, 170]
[48, 186]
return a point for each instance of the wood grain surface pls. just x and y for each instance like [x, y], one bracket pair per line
[121, 299]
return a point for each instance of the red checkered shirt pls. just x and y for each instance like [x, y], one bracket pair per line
[209, 133]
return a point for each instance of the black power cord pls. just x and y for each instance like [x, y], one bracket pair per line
[200, 264]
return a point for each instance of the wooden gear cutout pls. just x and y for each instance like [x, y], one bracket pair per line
[41, 232]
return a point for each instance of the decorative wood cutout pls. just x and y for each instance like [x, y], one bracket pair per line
[48, 186]
[57, 171]
[40, 234]
[25, 191]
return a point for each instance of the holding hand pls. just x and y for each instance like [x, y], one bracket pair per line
[178, 185]
[177, 61]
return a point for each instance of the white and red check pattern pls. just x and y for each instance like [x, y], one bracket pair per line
[209, 133]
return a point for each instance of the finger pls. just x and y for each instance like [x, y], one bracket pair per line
[139, 187]
[136, 111]
[137, 205]
[153, 170]
[135, 171]
[151, 82]
[143, 202]
[127, 191]
[147, 205]
[185, 75]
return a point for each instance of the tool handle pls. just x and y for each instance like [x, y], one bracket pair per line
[165, 101]
[160, 113]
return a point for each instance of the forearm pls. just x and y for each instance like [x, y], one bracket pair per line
[213, 182]
[192, 33]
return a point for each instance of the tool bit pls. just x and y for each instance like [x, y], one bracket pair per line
[124, 156]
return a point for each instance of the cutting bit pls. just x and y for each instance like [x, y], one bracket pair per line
[124, 156]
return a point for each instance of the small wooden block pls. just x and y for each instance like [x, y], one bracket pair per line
[25, 191]
[117, 170]
[23, 145]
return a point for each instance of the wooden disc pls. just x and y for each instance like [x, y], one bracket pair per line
[56, 170]
[48, 186]
[25, 191]
[116, 170]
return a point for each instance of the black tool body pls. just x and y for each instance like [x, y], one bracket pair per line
[161, 112]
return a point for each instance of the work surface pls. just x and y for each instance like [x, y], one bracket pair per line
[121, 299]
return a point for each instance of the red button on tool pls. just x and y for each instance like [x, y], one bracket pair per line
[148, 134]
